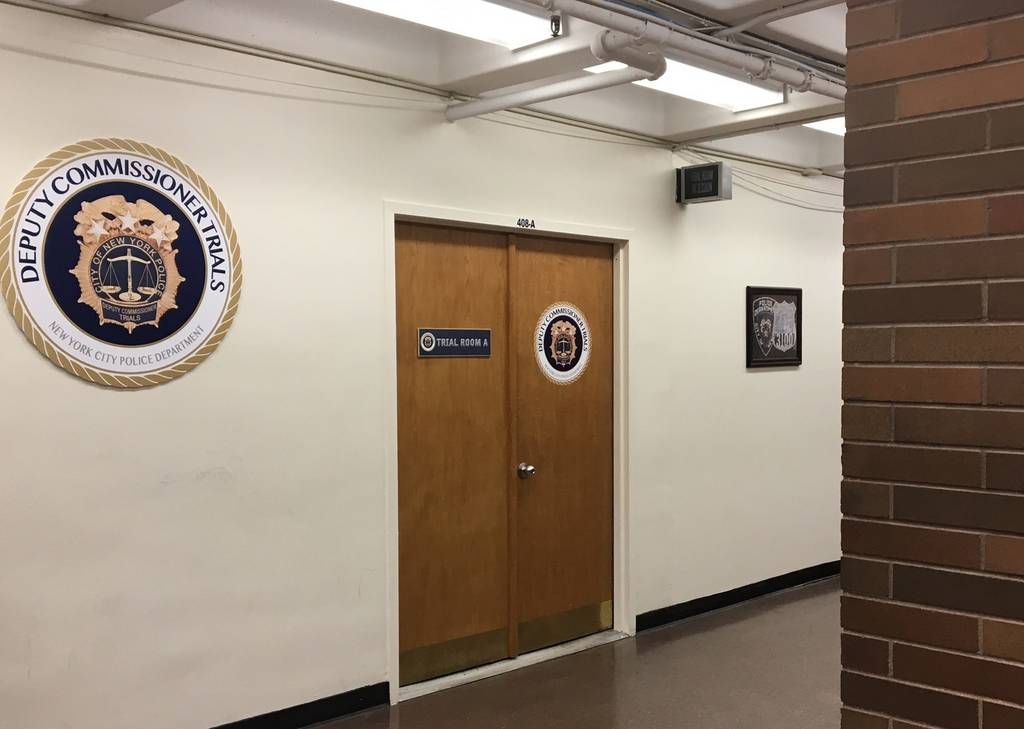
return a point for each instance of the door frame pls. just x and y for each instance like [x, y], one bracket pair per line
[624, 617]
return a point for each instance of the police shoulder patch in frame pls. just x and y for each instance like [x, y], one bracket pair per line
[774, 327]
[562, 343]
[119, 263]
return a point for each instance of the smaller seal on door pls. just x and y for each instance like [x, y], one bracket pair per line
[562, 343]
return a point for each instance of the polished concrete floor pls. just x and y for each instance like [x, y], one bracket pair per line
[771, 663]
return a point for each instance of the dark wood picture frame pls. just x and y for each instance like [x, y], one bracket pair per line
[763, 351]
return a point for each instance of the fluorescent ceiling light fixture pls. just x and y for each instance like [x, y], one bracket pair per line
[690, 82]
[477, 19]
[832, 126]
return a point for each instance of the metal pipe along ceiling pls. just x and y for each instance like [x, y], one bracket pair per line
[605, 48]
[557, 90]
[645, 31]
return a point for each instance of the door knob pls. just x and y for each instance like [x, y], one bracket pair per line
[526, 471]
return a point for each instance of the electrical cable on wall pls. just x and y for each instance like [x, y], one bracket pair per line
[493, 118]
[784, 183]
[748, 181]
[702, 157]
[782, 198]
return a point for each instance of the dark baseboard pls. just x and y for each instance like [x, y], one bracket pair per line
[319, 711]
[335, 707]
[701, 605]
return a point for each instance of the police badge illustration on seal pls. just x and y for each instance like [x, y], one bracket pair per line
[119, 263]
[127, 271]
[562, 343]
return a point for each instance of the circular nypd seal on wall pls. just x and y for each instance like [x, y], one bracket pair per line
[562, 343]
[119, 263]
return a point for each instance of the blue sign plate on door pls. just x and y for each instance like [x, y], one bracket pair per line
[434, 342]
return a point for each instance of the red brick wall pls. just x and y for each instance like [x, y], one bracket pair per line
[933, 420]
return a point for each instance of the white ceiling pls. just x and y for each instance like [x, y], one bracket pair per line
[339, 34]
[820, 31]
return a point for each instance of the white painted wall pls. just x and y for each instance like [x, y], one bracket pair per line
[229, 559]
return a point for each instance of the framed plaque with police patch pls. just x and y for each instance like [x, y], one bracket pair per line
[119, 263]
[774, 327]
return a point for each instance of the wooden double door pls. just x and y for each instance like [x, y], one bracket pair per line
[505, 460]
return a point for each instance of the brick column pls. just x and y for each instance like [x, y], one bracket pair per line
[933, 420]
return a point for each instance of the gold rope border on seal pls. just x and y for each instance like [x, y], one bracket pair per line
[576, 375]
[10, 290]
